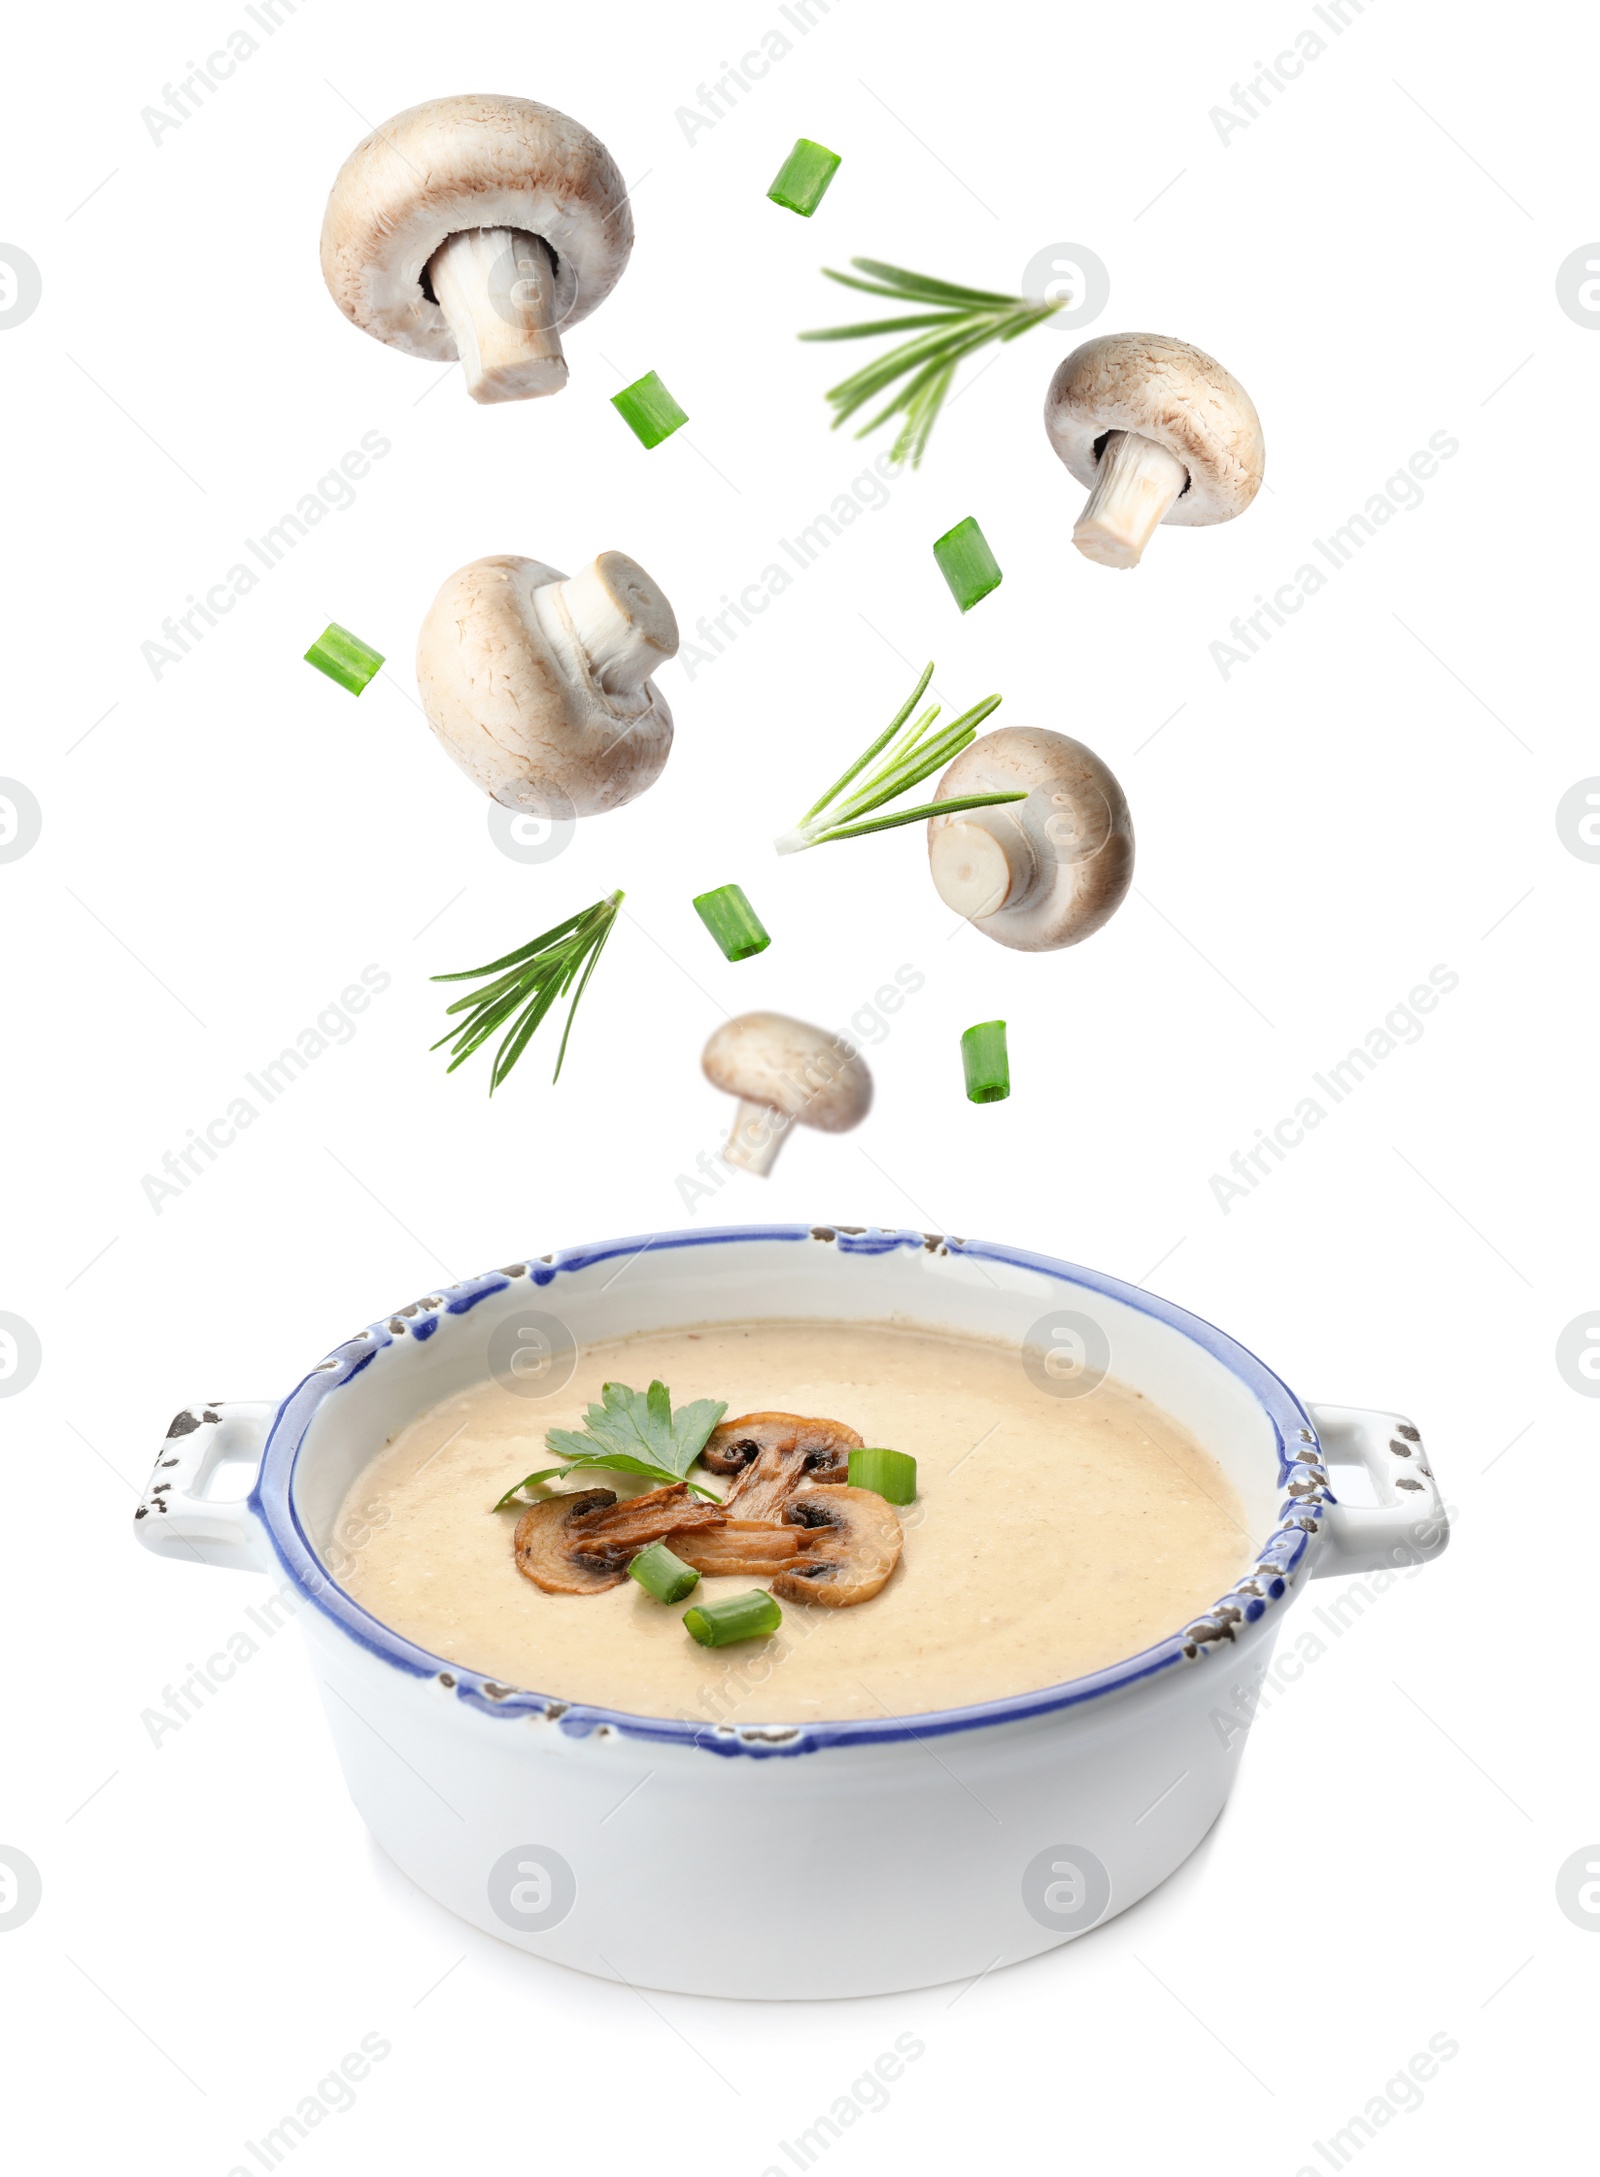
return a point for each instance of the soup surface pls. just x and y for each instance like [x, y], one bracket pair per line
[1050, 1536]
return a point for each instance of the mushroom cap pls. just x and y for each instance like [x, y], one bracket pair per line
[544, 1547]
[472, 161]
[584, 1542]
[812, 1076]
[1172, 393]
[511, 693]
[1073, 835]
[854, 1546]
[772, 1454]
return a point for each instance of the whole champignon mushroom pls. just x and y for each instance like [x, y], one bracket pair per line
[476, 227]
[539, 684]
[1041, 873]
[582, 1543]
[772, 1454]
[1161, 433]
[853, 1545]
[783, 1071]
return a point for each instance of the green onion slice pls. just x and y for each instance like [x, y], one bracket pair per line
[663, 1575]
[967, 563]
[344, 657]
[649, 410]
[740, 1617]
[988, 1069]
[733, 922]
[891, 1474]
[803, 178]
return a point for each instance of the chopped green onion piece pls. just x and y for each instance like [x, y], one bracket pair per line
[648, 409]
[988, 1070]
[804, 176]
[740, 1617]
[733, 922]
[344, 657]
[891, 1474]
[967, 563]
[662, 1575]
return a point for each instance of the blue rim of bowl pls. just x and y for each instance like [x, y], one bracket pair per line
[1302, 1477]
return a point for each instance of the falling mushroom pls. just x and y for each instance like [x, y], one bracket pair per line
[478, 227]
[539, 685]
[852, 1547]
[1161, 433]
[1041, 873]
[783, 1071]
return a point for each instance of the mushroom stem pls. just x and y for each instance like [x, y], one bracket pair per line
[972, 872]
[497, 289]
[757, 1136]
[1137, 481]
[623, 622]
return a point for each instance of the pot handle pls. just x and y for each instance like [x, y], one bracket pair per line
[1409, 1523]
[175, 1518]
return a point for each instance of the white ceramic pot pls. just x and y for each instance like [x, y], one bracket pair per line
[926, 1848]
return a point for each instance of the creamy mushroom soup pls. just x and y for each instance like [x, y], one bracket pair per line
[1050, 1535]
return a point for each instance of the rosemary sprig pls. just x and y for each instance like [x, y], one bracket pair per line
[526, 985]
[904, 754]
[952, 323]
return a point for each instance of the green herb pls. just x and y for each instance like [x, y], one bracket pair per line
[895, 764]
[890, 1474]
[648, 409]
[949, 322]
[632, 1432]
[663, 1575]
[733, 922]
[526, 984]
[740, 1617]
[344, 657]
[804, 176]
[967, 563]
[984, 1060]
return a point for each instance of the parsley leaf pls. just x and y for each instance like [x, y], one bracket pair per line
[632, 1432]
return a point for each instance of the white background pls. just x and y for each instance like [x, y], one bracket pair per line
[1373, 794]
